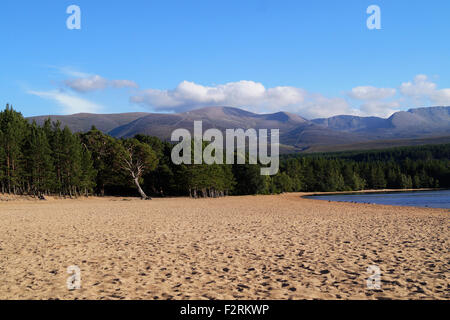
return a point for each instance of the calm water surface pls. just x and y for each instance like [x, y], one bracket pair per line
[429, 199]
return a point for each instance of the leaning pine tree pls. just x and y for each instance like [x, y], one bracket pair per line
[137, 158]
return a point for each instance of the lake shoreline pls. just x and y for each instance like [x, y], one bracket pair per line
[417, 198]
[4, 197]
[370, 191]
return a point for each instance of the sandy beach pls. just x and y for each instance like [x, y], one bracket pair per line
[255, 247]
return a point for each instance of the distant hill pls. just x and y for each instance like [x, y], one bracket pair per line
[414, 123]
[412, 127]
[295, 131]
[83, 122]
[379, 144]
[422, 120]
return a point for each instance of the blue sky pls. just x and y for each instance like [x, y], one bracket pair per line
[313, 58]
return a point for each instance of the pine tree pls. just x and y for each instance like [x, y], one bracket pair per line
[248, 179]
[39, 163]
[88, 173]
[2, 164]
[70, 161]
[105, 156]
[377, 177]
[14, 130]
[56, 145]
[282, 183]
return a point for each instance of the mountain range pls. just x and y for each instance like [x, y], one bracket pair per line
[413, 127]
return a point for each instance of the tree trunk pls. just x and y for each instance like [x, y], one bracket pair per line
[141, 192]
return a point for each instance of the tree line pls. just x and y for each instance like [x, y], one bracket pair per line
[51, 160]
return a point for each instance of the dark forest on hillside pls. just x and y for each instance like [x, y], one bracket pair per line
[50, 160]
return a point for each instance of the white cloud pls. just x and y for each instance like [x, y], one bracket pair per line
[123, 84]
[375, 101]
[383, 109]
[96, 82]
[254, 96]
[250, 95]
[319, 106]
[385, 101]
[422, 92]
[71, 104]
[421, 86]
[441, 97]
[371, 93]
[87, 84]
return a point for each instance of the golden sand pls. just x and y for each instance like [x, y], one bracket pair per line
[256, 247]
